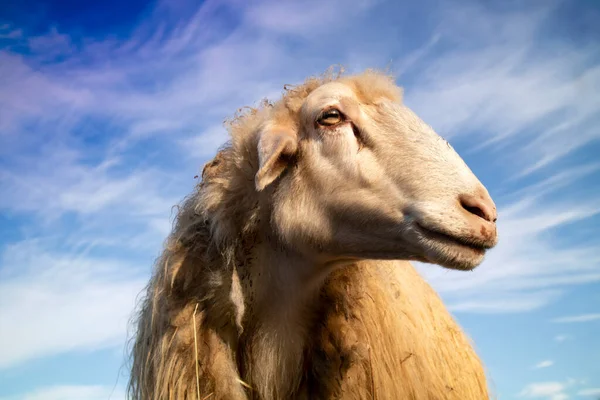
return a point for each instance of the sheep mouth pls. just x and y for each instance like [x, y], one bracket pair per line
[452, 251]
[440, 236]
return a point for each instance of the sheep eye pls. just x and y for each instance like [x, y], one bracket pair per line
[330, 117]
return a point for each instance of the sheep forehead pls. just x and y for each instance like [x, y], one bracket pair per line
[328, 94]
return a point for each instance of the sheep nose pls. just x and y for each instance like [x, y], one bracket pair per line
[480, 204]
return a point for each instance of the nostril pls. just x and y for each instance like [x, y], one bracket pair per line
[483, 208]
[475, 210]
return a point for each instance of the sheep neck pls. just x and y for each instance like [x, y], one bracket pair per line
[281, 292]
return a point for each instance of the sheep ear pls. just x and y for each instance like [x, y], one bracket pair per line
[275, 148]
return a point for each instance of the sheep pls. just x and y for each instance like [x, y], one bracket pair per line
[287, 274]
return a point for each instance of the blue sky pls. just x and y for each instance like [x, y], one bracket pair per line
[109, 109]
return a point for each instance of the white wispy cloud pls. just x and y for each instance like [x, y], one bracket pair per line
[7, 31]
[57, 182]
[556, 390]
[72, 392]
[543, 364]
[54, 303]
[560, 338]
[546, 390]
[577, 318]
[589, 392]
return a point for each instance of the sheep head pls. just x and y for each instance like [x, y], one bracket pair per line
[349, 172]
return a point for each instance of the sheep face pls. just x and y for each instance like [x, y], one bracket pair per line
[353, 176]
